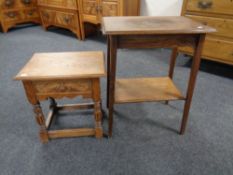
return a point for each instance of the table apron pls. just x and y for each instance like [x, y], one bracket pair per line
[157, 41]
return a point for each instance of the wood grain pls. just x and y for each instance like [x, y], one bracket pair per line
[152, 25]
[135, 90]
[69, 65]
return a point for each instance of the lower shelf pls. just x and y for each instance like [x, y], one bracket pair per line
[135, 90]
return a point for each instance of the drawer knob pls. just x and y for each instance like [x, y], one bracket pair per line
[9, 3]
[30, 13]
[205, 4]
[46, 15]
[67, 19]
[11, 14]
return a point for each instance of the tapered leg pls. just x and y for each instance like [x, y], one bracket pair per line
[41, 122]
[112, 78]
[172, 63]
[108, 68]
[192, 81]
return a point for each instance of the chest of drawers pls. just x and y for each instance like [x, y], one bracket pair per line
[14, 12]
[218, 14]
[61, 13]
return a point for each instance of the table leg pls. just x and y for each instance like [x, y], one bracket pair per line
[108, 68]
[112, 79]
[172, 64]
[97, 108]
[192, 81]
[41, 122]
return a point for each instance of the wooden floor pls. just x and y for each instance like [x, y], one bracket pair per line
[146, 90]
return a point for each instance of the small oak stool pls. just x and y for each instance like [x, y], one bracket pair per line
[58, 75]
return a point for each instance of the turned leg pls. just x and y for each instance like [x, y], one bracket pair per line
[98, 120]
[192, 81]
[41, 122]
[172, 64]
[97, 108]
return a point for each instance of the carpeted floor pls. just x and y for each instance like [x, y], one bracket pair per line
[145, 140]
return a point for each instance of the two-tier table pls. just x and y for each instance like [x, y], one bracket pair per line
[151, 32]
[58, 75]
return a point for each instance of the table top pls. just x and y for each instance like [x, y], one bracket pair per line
[60, 65]
[153, 25]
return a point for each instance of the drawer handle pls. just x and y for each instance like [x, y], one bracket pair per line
[30, 13]
[205, 4]
[26, 1]
[45, 14]
[9, 3]
[11, 14]
[66, 19]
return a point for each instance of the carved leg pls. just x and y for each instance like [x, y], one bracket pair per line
[98, 120]
[41, 122]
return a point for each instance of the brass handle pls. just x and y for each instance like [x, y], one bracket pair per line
[67, 19]
[205, 4]
[30, 13]
[9, 3]
[45, 14]
[98, 8]
[11, 14]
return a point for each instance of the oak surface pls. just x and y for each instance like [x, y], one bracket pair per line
[153, 25]
[62, 65]
[145, 90]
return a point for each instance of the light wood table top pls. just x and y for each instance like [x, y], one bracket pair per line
[68, 65]
[153, 25]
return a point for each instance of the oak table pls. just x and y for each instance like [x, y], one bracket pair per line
[151, 32]
[58, 75]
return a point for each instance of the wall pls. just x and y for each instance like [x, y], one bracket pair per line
[161, 7]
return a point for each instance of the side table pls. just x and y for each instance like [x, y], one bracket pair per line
[58, 75]
[151, 32]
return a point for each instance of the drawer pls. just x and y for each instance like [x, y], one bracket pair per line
[221, 50]
[48, 16]
[67, 19]
[71, 4]
[27, 3]
[224, 26]
[63, 88]
[211, 6]
[12, 16]
[8, 4]
[32, 13]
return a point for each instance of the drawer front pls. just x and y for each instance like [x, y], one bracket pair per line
[62, 88]
[27, 3]
[12, 16]
[8, 4]
[48, 16]
[110, 8]
[224, 26]
[217, 50]
[32, 13]
[211, 6]
[66, 19]
[71, 4]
